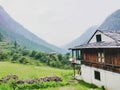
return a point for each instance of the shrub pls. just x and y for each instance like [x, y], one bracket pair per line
[23, 60]
[41, 85]
[33, 53]
[89, 85]
[5, 87]
[15, 57]
[25, 52]
[3, 56]
[38, 55]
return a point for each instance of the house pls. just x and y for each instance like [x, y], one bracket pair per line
[100, 59]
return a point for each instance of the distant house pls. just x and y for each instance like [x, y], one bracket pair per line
[100, 59]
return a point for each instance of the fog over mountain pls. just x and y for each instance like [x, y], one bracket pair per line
[13, 31]
[83, 39]
[112, 22]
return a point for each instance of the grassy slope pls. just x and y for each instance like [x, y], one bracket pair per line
[72, 87]
[31, 71]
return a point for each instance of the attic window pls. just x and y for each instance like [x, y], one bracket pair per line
[98, 38]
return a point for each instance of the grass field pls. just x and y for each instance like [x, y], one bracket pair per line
[31, 71]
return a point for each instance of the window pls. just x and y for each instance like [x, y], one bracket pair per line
[97, 75]
[101, 57]
[98, 38]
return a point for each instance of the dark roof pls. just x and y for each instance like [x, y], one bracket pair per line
[115, 35]
[99, 45]
[112, 34]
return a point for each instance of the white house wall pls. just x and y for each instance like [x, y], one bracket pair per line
[110, 80]
[103, 36]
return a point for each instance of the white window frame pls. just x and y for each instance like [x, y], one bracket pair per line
[101, 57]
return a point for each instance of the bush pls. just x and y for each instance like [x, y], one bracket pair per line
[25, 52]
[89, 85]
[5, 87]
[33, 53]
[38, 55]
[41, 85]
[3, 56]
[23, 60]
[15, 57]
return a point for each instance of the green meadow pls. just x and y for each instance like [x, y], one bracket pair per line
[32, 71]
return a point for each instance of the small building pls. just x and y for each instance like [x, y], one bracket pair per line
[100, 59]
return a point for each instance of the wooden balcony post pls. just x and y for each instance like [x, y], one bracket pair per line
[73, 64]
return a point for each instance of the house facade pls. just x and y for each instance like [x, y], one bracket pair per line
[100, 59]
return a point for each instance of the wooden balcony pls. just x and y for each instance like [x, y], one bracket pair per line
[75, 61]
[104, 66]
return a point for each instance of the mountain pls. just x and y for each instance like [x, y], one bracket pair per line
[13, 31]
[112, 22]
[83, 39]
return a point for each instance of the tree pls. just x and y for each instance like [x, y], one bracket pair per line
[25, 52]
[67, 55]
[33, 53]
[23, 60]
[15, 44]
[15, 57]
[38, 55]
[3, 55]
[1, 37]
[60, 57]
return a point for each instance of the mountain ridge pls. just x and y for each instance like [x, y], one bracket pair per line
[112, 22]
[82, 39]
[13, 31]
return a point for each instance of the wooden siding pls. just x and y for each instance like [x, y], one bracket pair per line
[112, 58]
[90, 54]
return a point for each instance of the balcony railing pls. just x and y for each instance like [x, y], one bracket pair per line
[105, 66]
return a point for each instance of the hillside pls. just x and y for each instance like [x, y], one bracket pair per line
[12, 31]
[112, 22]
[82, 39]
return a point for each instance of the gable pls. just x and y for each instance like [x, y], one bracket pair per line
[99, 36]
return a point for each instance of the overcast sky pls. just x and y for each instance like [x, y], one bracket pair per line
[59, 21]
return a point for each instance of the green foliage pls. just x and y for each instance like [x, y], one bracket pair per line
[17, 54]
[15, 44]
[3, 56]
[5, 86]
[25, 52]
[41, 85]
[31, 71]
[15, 57]
[33, 53]
[23, 60]
[1, 37]
[90, 85]
[60, 57]
[13, 85]
[38, 55]
[103, 88]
